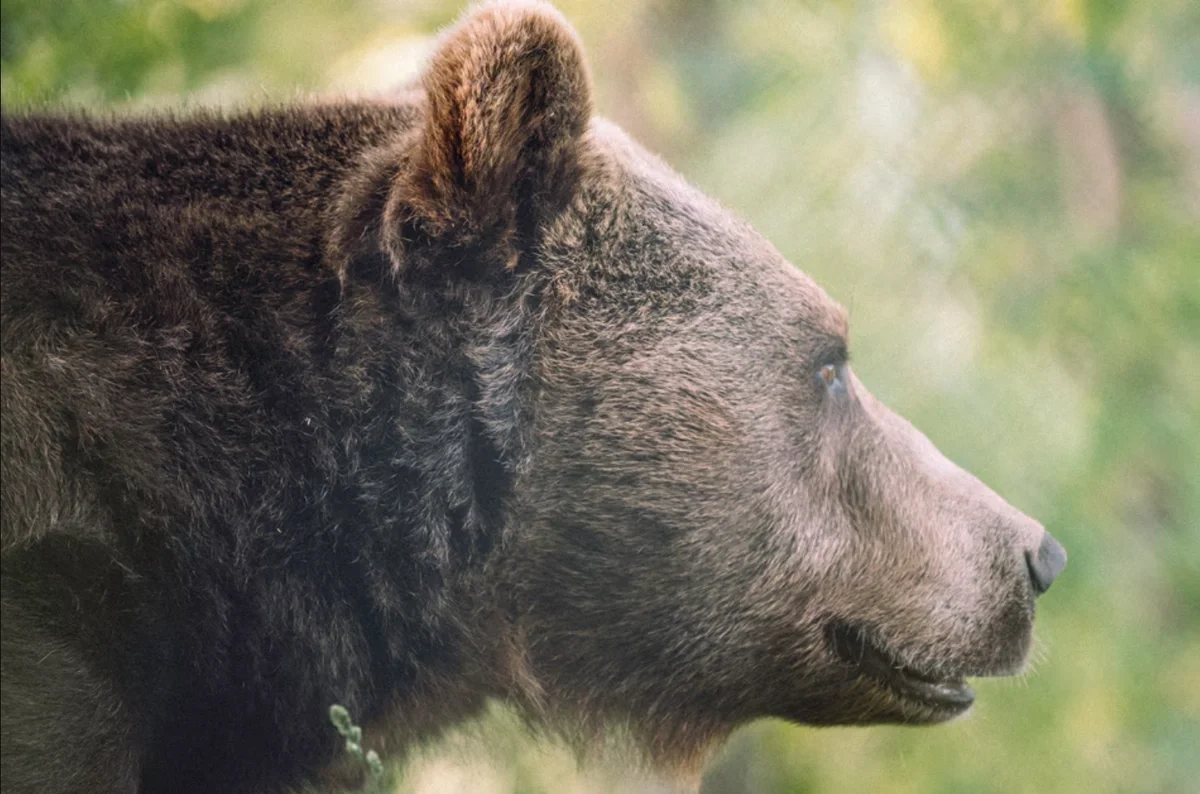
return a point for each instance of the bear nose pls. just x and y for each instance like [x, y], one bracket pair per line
[1046, 564]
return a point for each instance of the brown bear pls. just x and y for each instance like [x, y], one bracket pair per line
[409, 405]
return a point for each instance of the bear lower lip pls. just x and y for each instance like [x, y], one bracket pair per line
[951, 694]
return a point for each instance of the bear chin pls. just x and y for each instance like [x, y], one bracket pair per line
[918, 694]
[914, 693]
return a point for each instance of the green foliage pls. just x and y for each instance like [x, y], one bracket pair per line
[369, 761]
[106, 51]
[1005, 194]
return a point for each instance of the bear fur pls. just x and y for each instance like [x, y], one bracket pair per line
[408, 405]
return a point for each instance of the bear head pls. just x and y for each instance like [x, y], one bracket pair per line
[710, 517]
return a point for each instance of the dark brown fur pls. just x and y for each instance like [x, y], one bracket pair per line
[404, 407]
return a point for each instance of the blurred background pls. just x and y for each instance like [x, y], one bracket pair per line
[1004, 193]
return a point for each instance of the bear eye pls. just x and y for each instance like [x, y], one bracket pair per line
[829, 374]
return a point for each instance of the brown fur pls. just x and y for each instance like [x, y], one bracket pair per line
[408, 406]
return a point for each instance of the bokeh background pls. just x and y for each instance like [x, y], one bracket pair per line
[1006, 195]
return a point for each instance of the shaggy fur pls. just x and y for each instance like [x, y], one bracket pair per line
[407, 406]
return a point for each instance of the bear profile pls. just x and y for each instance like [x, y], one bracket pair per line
[407, 406]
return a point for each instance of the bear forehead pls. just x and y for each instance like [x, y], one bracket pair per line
[638, 194]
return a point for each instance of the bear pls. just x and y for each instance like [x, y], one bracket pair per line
[411, 405]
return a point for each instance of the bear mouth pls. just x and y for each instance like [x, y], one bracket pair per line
[948, 695]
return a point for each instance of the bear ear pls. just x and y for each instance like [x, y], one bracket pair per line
[507, 99]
